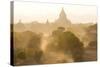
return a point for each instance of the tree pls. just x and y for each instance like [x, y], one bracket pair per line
[74, 45]
[34, 52]
[58, 32]
[19, 56]
[54, 42]
[67, 42]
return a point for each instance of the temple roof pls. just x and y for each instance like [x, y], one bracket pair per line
[62, 14]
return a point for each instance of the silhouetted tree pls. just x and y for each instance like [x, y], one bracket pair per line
[58, 32]
[72, 43]
[19, 56]
[91, 51]
[68, 43]
[34, 52]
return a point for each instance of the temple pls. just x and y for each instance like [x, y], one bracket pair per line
[61, 21]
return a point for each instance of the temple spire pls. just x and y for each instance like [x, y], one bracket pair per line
[62, 14]
[63, 20]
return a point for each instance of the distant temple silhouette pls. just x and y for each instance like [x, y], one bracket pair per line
[62, 21]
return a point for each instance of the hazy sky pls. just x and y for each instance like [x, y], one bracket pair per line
[30, 11]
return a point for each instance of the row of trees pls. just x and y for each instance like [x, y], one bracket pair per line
[27, 46]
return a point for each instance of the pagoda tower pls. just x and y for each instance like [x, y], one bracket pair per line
[63, 20]
[62, 15]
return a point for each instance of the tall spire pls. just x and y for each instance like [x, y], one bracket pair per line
[62, 15]
[63, 20]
